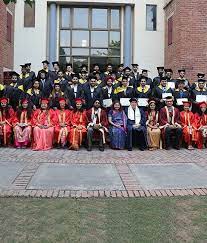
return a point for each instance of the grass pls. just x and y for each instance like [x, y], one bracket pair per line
[104, 220]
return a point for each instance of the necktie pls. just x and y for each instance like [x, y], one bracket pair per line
[181, 94]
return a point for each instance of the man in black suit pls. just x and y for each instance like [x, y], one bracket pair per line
[91, 91]
[45, 84]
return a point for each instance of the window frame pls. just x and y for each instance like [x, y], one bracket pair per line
[150, 5]
[9, 22]
[170, 31]
[33, 7]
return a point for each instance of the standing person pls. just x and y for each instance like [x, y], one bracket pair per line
[91, 92]
[136, 126]
[145, 74]
[78, 125]
[201, 124]
[43, 122]
[98, 124]
[135, 72]
[169, 75]
[63, 82]
[117, 130]
[22, 125]
[35, 94]
[29, 71]
[180, 93]
[62, 128]
[107, 92]
[161, 92]
[55, 95]
[45, 67]
[169, 120]
[83, 77]
[156, 80]
[195, 83]
[25, 78]
[6, 118]
[187, 119]
[69, 71]
[45, 84]
[153, 127]
[14, 91]
[182, 73]
[54, 73]
[197, 93]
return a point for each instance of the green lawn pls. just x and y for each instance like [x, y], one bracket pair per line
[104, 220]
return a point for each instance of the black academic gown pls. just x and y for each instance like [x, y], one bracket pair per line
[157, 95]
[89, 96]
[180, 94]
[71, 94]
[194, 93]
[46, 87]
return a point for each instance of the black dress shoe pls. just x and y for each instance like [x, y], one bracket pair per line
[101, 149]
[142, 149]
[89, 149]
[129, 149]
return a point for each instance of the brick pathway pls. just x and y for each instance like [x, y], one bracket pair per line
[120, 159]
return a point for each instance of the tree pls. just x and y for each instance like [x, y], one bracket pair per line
[14, 1]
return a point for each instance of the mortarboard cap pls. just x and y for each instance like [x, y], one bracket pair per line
[4, 100]
[202, 104]
[168, 70]
[121, 65]
[45, 61]
[160, 68]
[135, 65]
[44, 101]
[68, 65]
[181, 70]
[187, 103]
[78, 100]
[145, 70]
[28, 64]
[13, 73]
[201, 80]
[62, 100]
[23, 66]
[53, 63]
[201, 75]
[127, 68]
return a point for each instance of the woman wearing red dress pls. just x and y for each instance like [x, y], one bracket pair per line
[78, 124]
[62, 128]
[187, 119]
[22, 125]
[201, 123]
[6, 118]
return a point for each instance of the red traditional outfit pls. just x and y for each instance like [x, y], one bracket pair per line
[43, 122]
[187, 119]
[78, 123]
[62, 127]
[22, 129]
[201, 124]
[6, 122]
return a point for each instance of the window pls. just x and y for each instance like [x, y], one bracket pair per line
[29, 15]
[170, 31]
[89, 35]
[9, 27]
[151, 17]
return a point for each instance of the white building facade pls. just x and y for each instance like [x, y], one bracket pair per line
[91, 31]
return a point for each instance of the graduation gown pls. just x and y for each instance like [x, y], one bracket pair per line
[62, 132]
[54, 99]
[14, 92]
[34, 96]
[22, 134]
[194, 93]
[200, 121]
[180, 94]
[26, 80]
[78, 126]
[43, 136]
[157, 94]
[6, 128]
[188, 123]
[124, 92]
[71, 93]
[46, 87]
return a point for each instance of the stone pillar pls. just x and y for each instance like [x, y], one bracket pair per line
[128, 35]
[52, 32]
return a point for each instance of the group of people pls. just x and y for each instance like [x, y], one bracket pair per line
[126, 109]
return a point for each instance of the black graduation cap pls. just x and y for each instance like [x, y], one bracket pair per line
[23, 66]
[121, 65]
[168, 70]
[43, 71]
[124, 77]
[145, 70]
[181, 70]
[143, 77]
[13, 73]
[68, 65]
[127, 68]
[201, 80]
[201, 75]
[45, 61]
[75, 75]
[163, 78]
[133, 99]
[53, 63]
[160, 68]
[179, 81]
[83, 72]
[28, 64]
[135, 65]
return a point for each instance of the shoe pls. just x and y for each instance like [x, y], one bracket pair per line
[101, 149]
[177, 147]
[167, 148]
[142, 149]
[129, 149]
[89, 149]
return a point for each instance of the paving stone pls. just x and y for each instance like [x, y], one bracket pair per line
[76, 177]
[170, 176]
[8, 173]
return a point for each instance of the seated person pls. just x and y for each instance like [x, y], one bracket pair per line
[169, 120]
[98, 123]
[136, 126]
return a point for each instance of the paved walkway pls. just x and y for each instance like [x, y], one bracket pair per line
[64, 173]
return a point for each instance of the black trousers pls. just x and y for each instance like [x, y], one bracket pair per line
[169, 133]
[90, 133]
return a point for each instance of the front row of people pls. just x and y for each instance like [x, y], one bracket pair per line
[44, 128]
